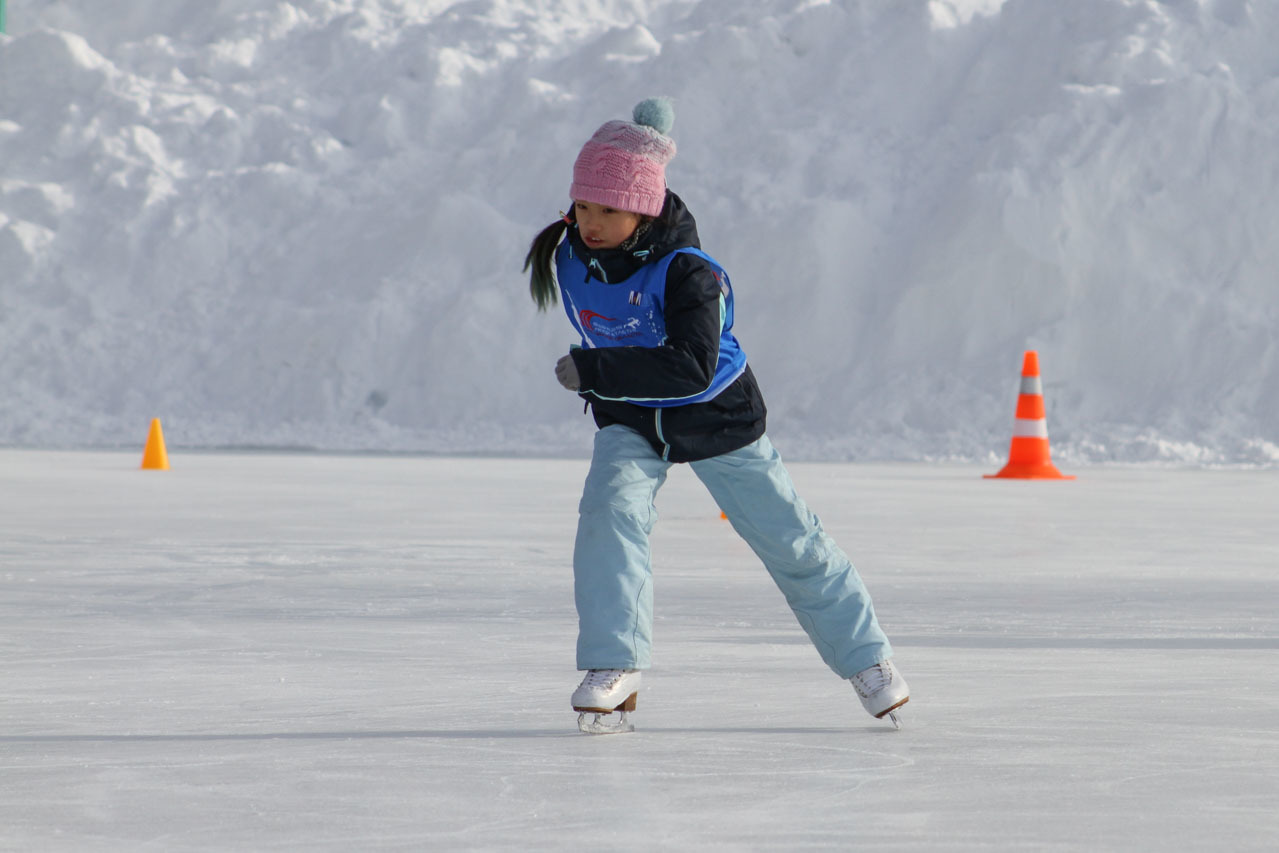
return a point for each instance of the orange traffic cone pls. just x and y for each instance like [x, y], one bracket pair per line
[1028, 457]
[154, 457]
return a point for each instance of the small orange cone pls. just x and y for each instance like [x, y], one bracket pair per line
[1029, 457]
[155, 458]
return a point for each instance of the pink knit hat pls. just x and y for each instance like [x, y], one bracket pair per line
[624, 164]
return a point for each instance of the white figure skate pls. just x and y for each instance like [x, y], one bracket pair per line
[882, 691]
[602, 692]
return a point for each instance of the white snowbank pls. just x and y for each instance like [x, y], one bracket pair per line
[302, 223]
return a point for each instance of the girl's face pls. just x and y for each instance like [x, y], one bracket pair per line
[604, 227]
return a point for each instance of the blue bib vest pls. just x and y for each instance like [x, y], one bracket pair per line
[631, 313]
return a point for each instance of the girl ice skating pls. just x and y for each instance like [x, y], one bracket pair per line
[668, 383]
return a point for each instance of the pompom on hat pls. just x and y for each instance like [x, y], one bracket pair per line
[623, 165]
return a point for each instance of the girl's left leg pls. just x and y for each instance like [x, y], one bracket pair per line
[823, 589]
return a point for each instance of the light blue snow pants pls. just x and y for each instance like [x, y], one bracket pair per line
[612, 570]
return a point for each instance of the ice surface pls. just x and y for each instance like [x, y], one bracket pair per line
[333, 653]
[302, 223]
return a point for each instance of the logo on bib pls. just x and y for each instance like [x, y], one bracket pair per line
[607, 327]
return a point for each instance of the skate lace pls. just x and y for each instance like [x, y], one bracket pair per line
[602, 677]
[873, 680]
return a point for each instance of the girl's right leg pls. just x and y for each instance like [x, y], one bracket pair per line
[612, 570]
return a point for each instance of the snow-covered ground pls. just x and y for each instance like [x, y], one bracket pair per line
[334, 653]
[301, 223]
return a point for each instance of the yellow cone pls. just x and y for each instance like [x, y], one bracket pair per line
[155, 457]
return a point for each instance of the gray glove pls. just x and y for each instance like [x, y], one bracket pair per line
[566, 373]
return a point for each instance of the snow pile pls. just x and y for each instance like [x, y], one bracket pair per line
[302, 223]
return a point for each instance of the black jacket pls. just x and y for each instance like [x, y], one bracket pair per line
[683, 365]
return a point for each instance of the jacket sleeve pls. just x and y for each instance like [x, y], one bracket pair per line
[684, 365]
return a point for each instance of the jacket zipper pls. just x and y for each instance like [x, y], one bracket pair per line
[657, 424]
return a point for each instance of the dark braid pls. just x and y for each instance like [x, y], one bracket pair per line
[539, 263]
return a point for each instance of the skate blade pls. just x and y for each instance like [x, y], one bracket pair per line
[599, 725]
[892, 716]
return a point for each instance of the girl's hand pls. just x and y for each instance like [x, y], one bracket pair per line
[566, 373]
